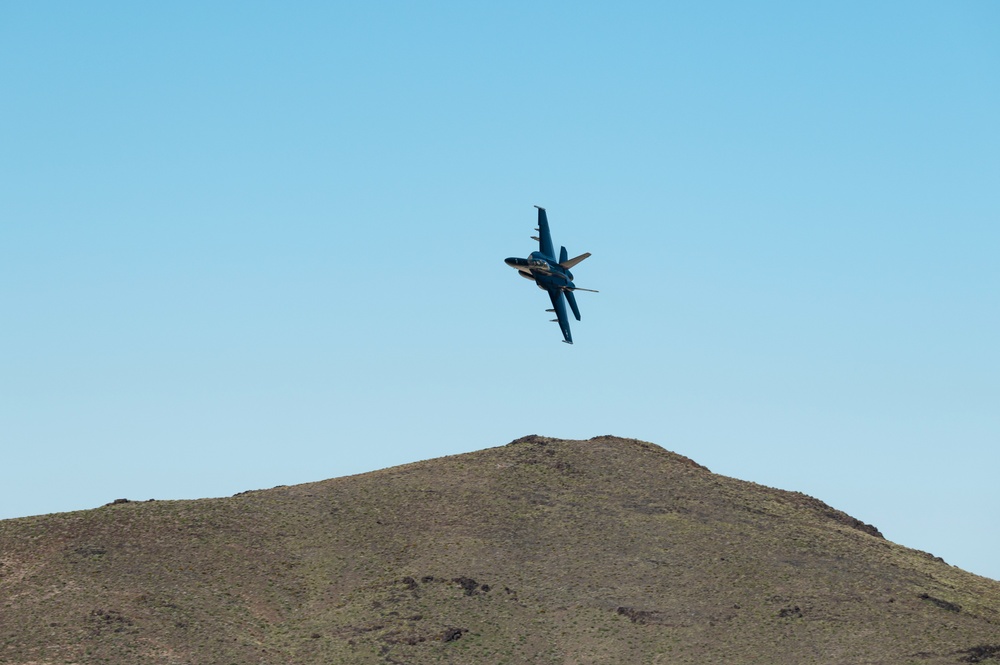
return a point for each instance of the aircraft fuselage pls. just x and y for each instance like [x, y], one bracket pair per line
[545, 272]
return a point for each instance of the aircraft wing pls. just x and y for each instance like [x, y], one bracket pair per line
[559, 304]
[544, 235]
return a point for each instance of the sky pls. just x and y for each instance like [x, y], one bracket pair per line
[248, 244]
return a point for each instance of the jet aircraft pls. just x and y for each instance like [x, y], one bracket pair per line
[551, 275]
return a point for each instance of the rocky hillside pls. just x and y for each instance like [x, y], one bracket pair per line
[541, 551]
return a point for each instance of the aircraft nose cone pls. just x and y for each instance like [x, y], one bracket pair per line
[515, 262]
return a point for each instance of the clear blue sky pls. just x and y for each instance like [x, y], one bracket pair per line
[247, 244]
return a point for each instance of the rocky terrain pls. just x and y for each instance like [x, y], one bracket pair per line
[541, 551]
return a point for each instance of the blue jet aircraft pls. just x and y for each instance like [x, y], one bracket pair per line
[550, 275]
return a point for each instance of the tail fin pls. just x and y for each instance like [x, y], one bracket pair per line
[563, 255]
[571, 262]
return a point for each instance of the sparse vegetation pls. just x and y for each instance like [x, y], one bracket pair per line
[541, 551]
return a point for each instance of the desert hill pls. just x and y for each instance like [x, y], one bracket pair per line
[541, 551]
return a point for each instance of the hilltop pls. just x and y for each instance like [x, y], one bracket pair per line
[608, 550]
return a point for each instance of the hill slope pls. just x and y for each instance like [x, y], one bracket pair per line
[541, 551]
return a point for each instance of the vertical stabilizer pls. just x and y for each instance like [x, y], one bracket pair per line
[569, 263]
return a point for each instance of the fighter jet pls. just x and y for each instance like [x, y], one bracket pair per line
[551, 275]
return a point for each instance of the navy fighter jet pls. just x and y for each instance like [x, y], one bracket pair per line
[551, 275]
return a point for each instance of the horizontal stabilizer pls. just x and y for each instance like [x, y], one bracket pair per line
[572, 262]
[571, 299]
